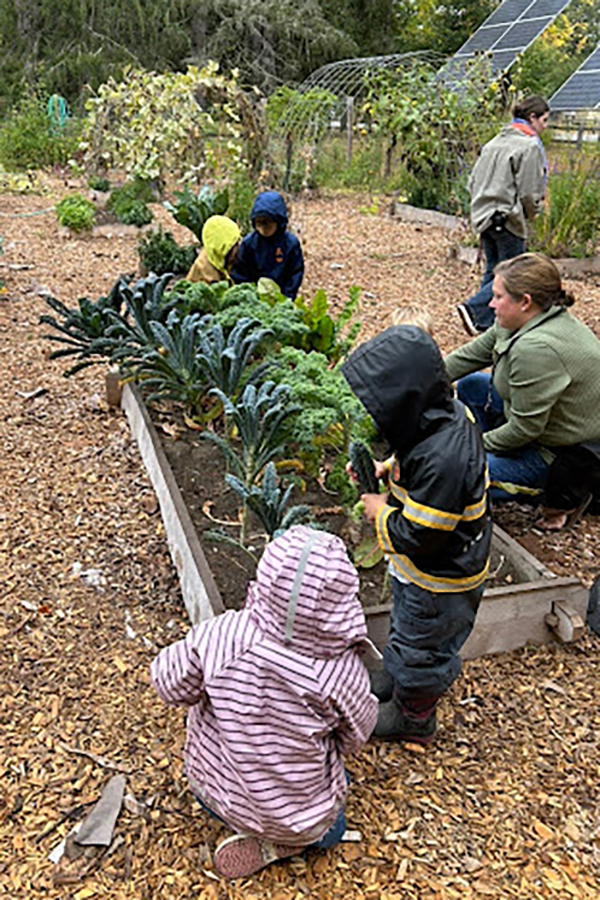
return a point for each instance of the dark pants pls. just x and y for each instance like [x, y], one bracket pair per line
[519, 475]
[331, 837]
[426, 632]
[498, 245]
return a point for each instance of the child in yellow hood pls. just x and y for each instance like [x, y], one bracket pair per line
[220, 241]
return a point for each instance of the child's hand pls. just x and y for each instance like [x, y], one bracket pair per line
[382, 471]
[373, 503]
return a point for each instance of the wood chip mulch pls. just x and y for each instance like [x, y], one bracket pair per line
[506, 803]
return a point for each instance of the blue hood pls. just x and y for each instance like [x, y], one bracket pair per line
[272, 205]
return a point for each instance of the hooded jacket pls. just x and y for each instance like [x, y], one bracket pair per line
[435, 528]
[509, 178]
[278, 257]
[277, 692]
[219, 236]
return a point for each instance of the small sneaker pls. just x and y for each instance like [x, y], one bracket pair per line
[470, 326]
[240, 855]
[397, 723]
[382, 684]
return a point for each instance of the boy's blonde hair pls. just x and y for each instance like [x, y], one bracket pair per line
[410, 315]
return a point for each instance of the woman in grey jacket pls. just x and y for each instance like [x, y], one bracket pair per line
[507, 187]
[544, 393]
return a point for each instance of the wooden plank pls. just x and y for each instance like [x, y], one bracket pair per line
[511, 617]
[406, 213]
[200, 593]
[508, 617]
[526, 566]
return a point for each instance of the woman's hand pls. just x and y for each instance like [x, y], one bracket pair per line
[373, 503]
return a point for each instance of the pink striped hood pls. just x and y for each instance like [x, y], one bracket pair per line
[278, 693]
[306, 594]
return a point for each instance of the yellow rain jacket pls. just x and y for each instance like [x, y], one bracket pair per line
[219, 236]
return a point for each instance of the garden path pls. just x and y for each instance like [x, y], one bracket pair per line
[506, 804]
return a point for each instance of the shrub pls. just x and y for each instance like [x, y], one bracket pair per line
[159, 252]
[98, 183]
[570, 222]
[76, 212]
[152, 125]
[27, 140]
[129, 203]
[241, 197]
[435, 130]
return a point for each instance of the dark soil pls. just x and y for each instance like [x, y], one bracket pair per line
[199, 470]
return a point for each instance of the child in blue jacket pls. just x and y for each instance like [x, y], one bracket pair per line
[270, 251]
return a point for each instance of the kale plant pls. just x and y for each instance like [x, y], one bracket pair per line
[85, 329]
[224, 360]
[258, 417]
[159, 252]
[283, 319]
[174, 369]
[331, 415]
[146, 302]
[198, 296]
[267, 502]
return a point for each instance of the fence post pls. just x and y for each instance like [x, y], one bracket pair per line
[349, 127]
[289, 150]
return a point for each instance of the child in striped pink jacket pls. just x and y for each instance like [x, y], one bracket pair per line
[278, 694]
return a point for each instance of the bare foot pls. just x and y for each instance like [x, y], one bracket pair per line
[552, 523]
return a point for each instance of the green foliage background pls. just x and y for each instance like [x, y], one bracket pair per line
[68, 46]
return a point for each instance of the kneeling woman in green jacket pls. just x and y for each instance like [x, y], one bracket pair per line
[543, 394]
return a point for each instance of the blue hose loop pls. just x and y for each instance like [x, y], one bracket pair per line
[58, 113]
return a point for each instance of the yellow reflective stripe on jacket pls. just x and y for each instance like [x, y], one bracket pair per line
[408, 570]
[475, 511]
[436, 518]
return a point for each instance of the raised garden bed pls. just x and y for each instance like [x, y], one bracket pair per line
[524, 603]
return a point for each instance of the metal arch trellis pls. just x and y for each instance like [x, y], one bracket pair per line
[343, 79]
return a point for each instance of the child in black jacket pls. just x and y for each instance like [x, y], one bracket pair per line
[433, 524]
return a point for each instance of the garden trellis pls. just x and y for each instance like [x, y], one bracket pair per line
[332, 85]
[328, 97]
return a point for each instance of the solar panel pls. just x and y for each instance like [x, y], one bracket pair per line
[507, 12]
[582, 89]
[483, 39]
[522, 33]
[505, 34]
[545, 8]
